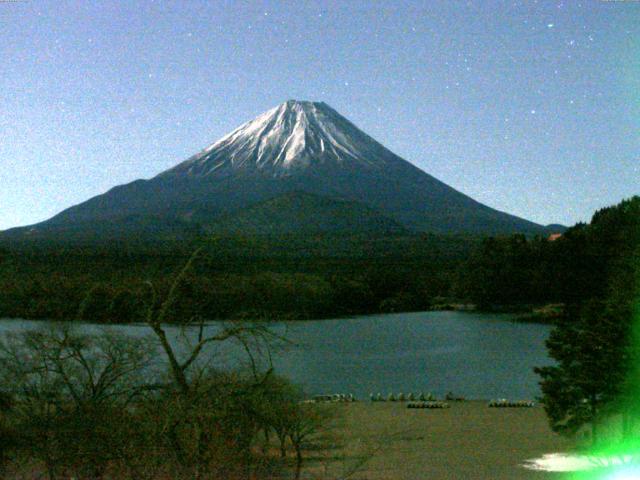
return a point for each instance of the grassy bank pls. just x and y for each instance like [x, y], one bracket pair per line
[384, 441]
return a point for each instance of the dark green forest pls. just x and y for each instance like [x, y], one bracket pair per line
[576, 267]
[235, 277]
[596, 340]
[316, 276]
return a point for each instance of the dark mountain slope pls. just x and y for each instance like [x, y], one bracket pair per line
[295, 147]
[304, 213]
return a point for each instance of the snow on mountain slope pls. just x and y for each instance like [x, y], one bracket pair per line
[295, 147]
[294, 135]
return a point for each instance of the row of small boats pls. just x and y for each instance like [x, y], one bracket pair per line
[401, 397]
[427, 405]
[335, 398]
[504, 403]
[420, 400]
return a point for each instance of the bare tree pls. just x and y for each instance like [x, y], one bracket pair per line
[305, 422]
[70, 395]
[191, 433]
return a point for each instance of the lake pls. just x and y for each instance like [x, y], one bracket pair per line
[475, 355]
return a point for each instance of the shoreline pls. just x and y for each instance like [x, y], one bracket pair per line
[538, 314]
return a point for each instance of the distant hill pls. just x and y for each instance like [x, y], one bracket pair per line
[304, 213]
[556, 228]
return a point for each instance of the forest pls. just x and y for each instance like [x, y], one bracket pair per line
[595, 341]
[299, 277]
[253, 277]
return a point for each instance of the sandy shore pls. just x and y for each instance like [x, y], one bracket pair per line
[382, 441]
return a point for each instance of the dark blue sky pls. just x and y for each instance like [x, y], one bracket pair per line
[530, 107]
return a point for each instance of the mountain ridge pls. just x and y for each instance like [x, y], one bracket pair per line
[297, 146]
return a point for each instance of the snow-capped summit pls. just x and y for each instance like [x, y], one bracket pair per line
[299, 167]
[293, 135]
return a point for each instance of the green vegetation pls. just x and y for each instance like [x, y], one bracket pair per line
[595, 341]
[237, 277]
[570, 270]
[300, 276]
[303, 213]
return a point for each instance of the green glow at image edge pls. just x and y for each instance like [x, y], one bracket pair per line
[619, 460]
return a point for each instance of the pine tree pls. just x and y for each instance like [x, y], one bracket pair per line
[596, 345]
[590, 348]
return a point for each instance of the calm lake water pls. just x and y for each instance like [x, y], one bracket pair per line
[475, 355]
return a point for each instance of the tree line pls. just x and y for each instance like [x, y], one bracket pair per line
[267, 278]
[596, 341]
[299, 277]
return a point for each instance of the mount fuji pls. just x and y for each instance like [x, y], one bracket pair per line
[299, 167]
